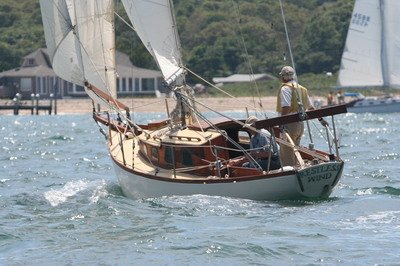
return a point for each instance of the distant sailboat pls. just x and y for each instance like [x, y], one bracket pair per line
[371, 54]
[187, 153]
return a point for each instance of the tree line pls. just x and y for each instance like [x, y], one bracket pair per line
[218, 37]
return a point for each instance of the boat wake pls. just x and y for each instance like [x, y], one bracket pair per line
[97, 189]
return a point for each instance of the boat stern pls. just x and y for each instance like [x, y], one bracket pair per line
[318, 181]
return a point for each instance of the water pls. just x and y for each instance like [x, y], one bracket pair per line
[61, 204]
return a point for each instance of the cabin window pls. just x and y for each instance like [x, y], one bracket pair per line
[186, 157]
[118, 88]
[144, 149]
[154, 153]
[169, 156]
[244, 136]
[31, 62]
[148, 84]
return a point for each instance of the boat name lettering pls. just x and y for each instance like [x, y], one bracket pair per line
[322, 172]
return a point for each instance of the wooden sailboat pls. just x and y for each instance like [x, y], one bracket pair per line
[370, 56]
[187, 153]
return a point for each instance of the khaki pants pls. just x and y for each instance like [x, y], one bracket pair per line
[295, 131]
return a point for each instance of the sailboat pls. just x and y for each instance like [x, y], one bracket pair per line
[370, 56]
[187, 153]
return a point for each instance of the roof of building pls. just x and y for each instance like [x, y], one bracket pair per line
[37, 64]
[236, 78]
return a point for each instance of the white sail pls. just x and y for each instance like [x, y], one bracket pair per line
[391, 38]
[81, 42]
[361, 60]
[154, 23]
[372, 49]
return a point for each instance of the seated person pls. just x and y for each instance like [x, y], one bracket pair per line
[260, 149]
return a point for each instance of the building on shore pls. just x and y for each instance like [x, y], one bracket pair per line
[36, 76]
[242, 78]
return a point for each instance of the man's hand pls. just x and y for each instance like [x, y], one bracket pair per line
[282, 128]
[323, 122]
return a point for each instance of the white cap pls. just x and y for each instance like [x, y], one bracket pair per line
[287, 71]
[250, 121]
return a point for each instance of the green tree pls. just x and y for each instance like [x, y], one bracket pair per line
[323, 39]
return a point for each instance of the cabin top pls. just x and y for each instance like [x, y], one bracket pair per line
[182, 137]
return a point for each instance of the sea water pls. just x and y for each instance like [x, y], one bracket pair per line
[61, 204]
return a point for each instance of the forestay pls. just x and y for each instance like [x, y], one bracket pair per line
[155, 25]
[81, 42]
[372, 49]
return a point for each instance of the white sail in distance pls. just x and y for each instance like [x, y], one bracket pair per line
[80, 38]
[372, 49]
[155, 25]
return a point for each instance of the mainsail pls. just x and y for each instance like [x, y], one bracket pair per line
[372, 49]
[81, 43]
[155, 25]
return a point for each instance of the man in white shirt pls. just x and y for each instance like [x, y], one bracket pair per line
[292, 98]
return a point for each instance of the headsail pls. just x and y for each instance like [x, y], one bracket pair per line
[370, 56]
[155, 24]
[391, 38]
[81, 42]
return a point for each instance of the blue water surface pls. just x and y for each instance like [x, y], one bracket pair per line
[61, 204]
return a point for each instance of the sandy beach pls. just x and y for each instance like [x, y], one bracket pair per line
[82, 106]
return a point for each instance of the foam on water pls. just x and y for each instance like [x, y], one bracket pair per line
[97, 190]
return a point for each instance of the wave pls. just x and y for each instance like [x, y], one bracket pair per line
[95, 190]
[387, 190]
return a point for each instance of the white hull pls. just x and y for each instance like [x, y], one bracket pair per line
[313, 182]
[375, 105]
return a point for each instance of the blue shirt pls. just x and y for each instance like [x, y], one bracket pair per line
[261, 140]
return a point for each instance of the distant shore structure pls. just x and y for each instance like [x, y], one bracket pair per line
[36, 76]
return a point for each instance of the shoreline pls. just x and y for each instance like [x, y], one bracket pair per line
[220, 104]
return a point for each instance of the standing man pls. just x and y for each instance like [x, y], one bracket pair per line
[290, 98]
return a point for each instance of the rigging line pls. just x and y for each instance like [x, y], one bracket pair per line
[237, 145]
[246, 154]
[288, 40]
[299, 102]
[215, 87]
[246, 57]
[279, 140]
[124, 20]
